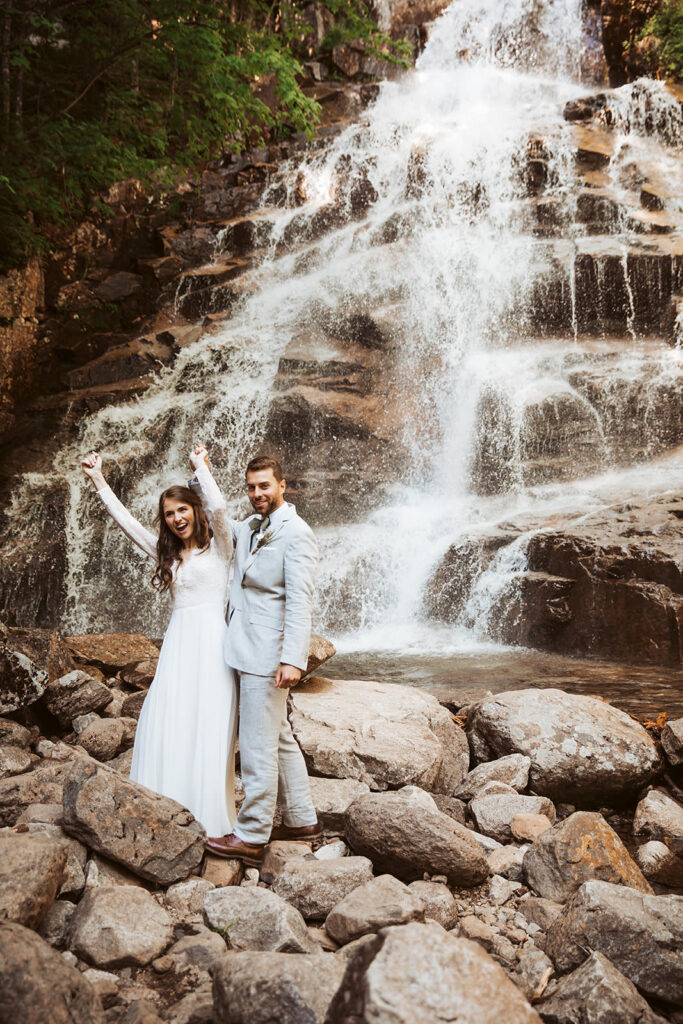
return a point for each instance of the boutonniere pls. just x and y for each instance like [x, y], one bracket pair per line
[265, 539]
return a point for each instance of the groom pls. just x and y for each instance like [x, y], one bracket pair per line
[269, 628]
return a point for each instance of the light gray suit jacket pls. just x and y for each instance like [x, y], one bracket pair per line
[271, 598]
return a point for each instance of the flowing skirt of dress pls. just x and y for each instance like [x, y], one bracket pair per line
[185, 741]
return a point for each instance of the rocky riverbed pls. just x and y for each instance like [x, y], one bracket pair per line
[517, 858]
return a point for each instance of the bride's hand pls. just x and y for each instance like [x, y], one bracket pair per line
[199, 455]
[92, 464]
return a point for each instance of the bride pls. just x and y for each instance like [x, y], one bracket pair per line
[185, 740]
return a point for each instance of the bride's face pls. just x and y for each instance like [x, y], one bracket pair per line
[179, 517]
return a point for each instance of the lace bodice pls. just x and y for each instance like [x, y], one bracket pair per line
[202, 577]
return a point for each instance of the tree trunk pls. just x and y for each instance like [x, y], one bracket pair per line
[6, 76]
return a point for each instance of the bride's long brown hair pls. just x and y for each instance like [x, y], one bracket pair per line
[169, 547]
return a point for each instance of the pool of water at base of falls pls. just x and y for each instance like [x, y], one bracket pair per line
[454, 668]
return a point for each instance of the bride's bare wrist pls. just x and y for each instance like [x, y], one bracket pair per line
[99, 483]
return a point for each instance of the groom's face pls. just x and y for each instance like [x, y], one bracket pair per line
[264, 491]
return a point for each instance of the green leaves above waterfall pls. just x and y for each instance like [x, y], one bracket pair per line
[94, 91]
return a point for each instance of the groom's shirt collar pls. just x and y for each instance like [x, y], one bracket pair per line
[277, 515]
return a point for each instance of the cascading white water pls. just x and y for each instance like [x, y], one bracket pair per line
[442, 152]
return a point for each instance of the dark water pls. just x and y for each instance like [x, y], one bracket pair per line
[640, 690]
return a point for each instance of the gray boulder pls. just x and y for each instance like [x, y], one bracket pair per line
[672, 741]
[257, 919]
[581, 847]
[513, 770]
[582, 750]
[659, 816]
[493, 812]
[641, 933]
[276, 856]
[382, 734]
[54, 927]
[332, 797]
[596, 993]
[262, 988]
[74, 694]
[419, 972]
[38, 986]
[106, 737]
[32, 870]
[314, 886]
[153, 836]
[119, 926]
[381, 902]
[438, 902]
[403, 836]
[185, 899]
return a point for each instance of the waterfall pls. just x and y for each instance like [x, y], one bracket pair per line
[422, 210]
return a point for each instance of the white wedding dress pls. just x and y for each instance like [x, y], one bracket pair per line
[185, 740]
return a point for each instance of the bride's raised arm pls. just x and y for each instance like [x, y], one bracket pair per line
[214, 502]
[145, 540]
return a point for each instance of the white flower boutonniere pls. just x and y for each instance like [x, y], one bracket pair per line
[265, 539]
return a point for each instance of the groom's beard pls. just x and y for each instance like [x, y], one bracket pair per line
[265, 510]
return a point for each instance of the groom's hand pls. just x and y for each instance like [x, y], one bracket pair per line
[287, 676]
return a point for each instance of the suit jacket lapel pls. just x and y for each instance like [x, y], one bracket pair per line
[286, 515]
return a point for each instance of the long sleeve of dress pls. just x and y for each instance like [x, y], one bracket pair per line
[145, 540]
[214, 502]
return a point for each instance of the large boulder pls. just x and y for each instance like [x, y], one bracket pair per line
[420, 972]
[493, 812]
[76, 693]
[119, 926]
[38, 986]
[31, 872]
[29, 659]
[155, 837]
[596, 993]
[331, 798]
[404, 834]
[659, 816]
[581, 847]
[111, 651]
[43, 785]
[380, 733]
[314, 887]
[257, 919]
[513, 770]
[76, 854]
[641, 933]
[377, 904]
[582, 750]
[261, 988]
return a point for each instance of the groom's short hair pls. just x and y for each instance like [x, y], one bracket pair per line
[265, 462]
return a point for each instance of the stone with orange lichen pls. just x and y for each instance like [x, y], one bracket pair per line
[580, 848]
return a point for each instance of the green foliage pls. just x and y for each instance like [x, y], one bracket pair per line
[667, 26]
[95, 91]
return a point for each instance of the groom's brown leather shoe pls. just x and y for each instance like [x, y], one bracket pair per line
[231, 846]
[291, 834]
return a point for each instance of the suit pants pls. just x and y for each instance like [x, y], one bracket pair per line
[272, 765]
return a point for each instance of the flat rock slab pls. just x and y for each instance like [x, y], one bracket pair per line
[419, 972]
[582, 750]
[403, 836]
[32, 869]
[119, 926]
[494, 813]
[261, 988]
[111, 651]
[314, 887]
[257, 919]
[153, 836]
[37, 985]
[597, 993]
[641, 933]
[379, 733]
[581, 847]
[379, 903]
[512, 770]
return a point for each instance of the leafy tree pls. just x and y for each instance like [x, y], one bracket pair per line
[94, 91]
